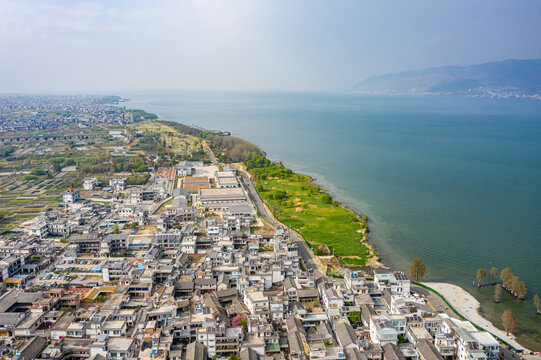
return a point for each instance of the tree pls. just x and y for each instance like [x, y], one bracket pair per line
[480, 276]
[515, 283]
[508, 321]
[37, 171]
[278, 194]
[417, 270]
[497, 293]
[116, 230]
[505, 275]
[233, 357]
[537, 303]
[494, 274]
[236, 321]
[402, 339]
[100, 299]
[355, 317]
[323, 249]
[521, 290]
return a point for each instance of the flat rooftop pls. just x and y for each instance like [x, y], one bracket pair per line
[196, 179]
[222, 194]
[227, 181]
[193, 187]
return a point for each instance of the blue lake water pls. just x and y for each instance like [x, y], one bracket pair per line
[454, 181]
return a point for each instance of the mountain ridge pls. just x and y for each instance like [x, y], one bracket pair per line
[507, 78]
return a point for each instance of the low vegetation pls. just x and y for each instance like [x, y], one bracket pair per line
[302, 205]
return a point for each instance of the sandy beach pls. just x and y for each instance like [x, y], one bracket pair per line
[468, 306]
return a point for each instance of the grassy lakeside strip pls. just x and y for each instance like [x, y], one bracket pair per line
[460, 315]
[301, 204]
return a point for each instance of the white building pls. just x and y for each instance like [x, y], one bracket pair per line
[185, 171]
[333, 301]
[397, 282]
[71, 196]
[488, 344]
[188, 244]
[256, 302]
[220, 196]
[355, 282]
[90, 183]
[118, 183]
[382, 331]
[226, 179]
[467, 347]
[39, 228]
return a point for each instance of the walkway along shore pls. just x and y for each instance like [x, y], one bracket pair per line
[467, 306]
[461, 301]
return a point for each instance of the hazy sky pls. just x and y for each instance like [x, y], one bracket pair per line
[310, 45]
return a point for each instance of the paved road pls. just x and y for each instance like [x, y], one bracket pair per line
[263, 212]
[304, 252]
[435, 301]
[37, 276]
[212, 157]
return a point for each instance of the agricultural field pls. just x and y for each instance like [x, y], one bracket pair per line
[34, 173]
[22, 200]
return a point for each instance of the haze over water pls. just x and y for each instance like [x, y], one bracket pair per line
[454, 181]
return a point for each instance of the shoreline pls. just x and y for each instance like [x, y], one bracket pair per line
[460, 299]
[464, 302]
[377, 260]
[468, 306]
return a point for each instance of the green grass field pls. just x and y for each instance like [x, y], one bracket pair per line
[303, 206]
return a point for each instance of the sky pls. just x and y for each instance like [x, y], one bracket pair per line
[308, 45]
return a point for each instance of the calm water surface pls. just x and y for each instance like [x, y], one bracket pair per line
[454, 181]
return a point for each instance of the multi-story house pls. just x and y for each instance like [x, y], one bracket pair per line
[397, 282]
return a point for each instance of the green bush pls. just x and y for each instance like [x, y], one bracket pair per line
[100, 299]
[37, 172]
[278, 194]
[326, 198]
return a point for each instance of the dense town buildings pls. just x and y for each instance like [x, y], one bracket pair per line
[180, 265]
[202, 285]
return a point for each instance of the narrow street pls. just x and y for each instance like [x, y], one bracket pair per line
[304, 252]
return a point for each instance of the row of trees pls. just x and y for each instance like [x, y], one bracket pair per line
[509, 282]
[513, 284]
[487, 277]
[233, 148]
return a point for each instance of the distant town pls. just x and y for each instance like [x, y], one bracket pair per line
[124, 237]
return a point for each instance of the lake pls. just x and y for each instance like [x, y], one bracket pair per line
[454, 181]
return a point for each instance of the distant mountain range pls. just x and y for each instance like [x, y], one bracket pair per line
[509, 78]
